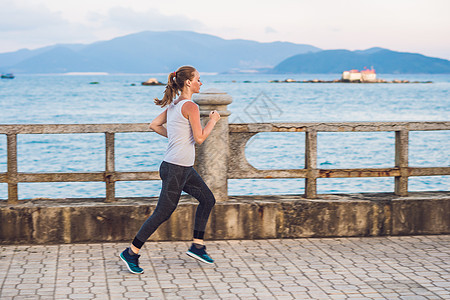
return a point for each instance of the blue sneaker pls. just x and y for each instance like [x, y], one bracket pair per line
[200, 254]
[131, 261]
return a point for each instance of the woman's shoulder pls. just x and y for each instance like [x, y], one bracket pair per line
[190, 105]
[189, 108]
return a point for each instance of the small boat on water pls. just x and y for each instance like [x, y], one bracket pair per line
[8, 76]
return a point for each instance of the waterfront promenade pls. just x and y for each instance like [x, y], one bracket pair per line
[402, 267]
[262, 245]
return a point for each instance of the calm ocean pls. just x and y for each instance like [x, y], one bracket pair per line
[63, 99]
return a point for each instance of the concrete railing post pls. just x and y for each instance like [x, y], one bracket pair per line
[13, 191]
[311, 164]
[212, 156]
[401, 162]
[110, 167]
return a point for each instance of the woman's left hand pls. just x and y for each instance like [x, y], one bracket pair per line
[214, 115]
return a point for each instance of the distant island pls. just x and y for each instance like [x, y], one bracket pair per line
[350, 76]
[153, 52]
[383, 60]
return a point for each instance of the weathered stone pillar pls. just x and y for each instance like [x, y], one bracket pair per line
[401, 162]
[212, 156]
[110, 167]
[13, 190]
[311, 164]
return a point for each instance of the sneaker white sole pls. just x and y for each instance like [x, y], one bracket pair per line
[193, 255]
[126, 264]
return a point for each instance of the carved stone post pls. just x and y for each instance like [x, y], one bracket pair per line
[212, 155]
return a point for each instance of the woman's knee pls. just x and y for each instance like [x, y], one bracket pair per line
[211, 199]
[164, 213]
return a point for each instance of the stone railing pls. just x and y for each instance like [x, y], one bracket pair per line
[238, 167]
[222, 155]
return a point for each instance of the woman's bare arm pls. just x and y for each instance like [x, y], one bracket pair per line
[192, 113]
[157, 124]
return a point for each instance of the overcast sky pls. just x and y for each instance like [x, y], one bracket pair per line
[421, 26]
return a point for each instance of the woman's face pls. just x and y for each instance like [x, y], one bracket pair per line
[196, 83]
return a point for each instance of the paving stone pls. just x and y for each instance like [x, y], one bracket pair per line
[28, 286]
[294, 289]
[103, 296]
[27, 292]
[238, 285]
[81, 296]
[81, 284]
[81, 290]
[7, 292]
[128, 283]
[133, 295]
[63, 290]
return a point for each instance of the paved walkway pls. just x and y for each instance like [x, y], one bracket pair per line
[334, 268]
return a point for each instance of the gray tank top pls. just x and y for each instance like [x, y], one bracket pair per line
[181, 148]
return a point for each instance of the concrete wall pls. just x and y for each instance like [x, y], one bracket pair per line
[243, 217]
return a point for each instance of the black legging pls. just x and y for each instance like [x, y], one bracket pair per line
[175, 179]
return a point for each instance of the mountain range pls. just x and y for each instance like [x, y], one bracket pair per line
[152, 52]
[163, 52]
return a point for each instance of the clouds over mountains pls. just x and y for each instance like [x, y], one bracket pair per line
[25, 22]
[35, 23]
[130, 20]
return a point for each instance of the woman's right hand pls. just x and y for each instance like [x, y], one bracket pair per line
[214, 115]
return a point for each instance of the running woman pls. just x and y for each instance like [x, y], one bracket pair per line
[183, 129]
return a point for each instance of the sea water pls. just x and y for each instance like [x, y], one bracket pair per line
[87, 99]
